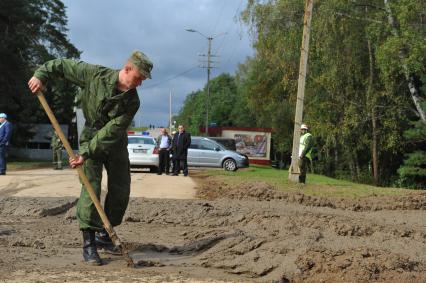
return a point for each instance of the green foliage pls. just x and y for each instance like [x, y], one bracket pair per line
[138, 129]
[227, 106]
[412, 172]
[356, 97]
[32, 32]
[192, 114]
[356, 86]
[27, 165]
[270, 78]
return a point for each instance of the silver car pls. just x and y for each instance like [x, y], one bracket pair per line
[143, 152]
[205, 152]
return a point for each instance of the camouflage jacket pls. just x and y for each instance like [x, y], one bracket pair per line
[56, 143]
[108, 113]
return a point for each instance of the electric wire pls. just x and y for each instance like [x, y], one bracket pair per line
[170, 78]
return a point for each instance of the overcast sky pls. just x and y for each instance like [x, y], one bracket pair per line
[107, 31]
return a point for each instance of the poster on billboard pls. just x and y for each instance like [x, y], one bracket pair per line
[251, 144]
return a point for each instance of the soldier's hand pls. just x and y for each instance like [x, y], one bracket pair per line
[77, 161]
[35, 85]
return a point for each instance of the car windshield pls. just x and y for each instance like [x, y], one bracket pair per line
[141, 140]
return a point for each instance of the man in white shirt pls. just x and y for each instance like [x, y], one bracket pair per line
[164, 143]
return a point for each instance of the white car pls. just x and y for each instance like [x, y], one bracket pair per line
[143, 152]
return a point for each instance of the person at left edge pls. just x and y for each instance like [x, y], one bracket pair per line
[5, 134]
[109, 101]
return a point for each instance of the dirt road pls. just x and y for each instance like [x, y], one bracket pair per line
[64, 183]
[249, 234]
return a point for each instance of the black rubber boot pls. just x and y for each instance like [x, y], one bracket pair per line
[105, 244]
[90, 253]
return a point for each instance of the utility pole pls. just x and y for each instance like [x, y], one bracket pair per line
[208, 84]
[209, 67]
[294, 167]
[170, 112]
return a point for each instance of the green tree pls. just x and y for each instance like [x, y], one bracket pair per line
[413, 171]
[192, 113]
[270, 78]
[32, 32]
[227, 106]
[357, 101]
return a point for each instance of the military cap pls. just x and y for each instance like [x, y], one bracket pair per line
[142, 62]
[3, 115]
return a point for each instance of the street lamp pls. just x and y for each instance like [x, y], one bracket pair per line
[209, 38]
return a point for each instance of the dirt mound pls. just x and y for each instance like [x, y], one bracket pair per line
[37, 207]
[245, 191]
[356, 265]
[262, 191]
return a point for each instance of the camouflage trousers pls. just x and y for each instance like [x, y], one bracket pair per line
[57, 158]
[117, 167]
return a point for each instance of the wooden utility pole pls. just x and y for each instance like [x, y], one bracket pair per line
[208, 84]
[170, 112]
[294, 168]
[209, 67]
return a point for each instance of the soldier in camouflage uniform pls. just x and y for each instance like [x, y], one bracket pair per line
[109, 101]
[57, 147]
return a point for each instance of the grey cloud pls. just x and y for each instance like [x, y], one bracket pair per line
[108, 31]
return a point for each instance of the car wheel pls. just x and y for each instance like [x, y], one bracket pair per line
[153, 169]
[230, 165]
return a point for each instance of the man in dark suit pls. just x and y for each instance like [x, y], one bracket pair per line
[181, 143]
[5, 134]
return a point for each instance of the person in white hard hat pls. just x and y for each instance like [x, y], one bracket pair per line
[305, 152]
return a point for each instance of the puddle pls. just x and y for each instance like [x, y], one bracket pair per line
[6, 231]
[159, 255]
[155, 258]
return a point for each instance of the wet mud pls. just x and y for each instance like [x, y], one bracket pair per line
[246, 233]
[263, 191]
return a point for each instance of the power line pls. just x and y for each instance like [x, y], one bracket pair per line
[219, 17]
[171, 78]
[230, 26]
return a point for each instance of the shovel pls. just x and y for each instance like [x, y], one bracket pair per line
[107, 225]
